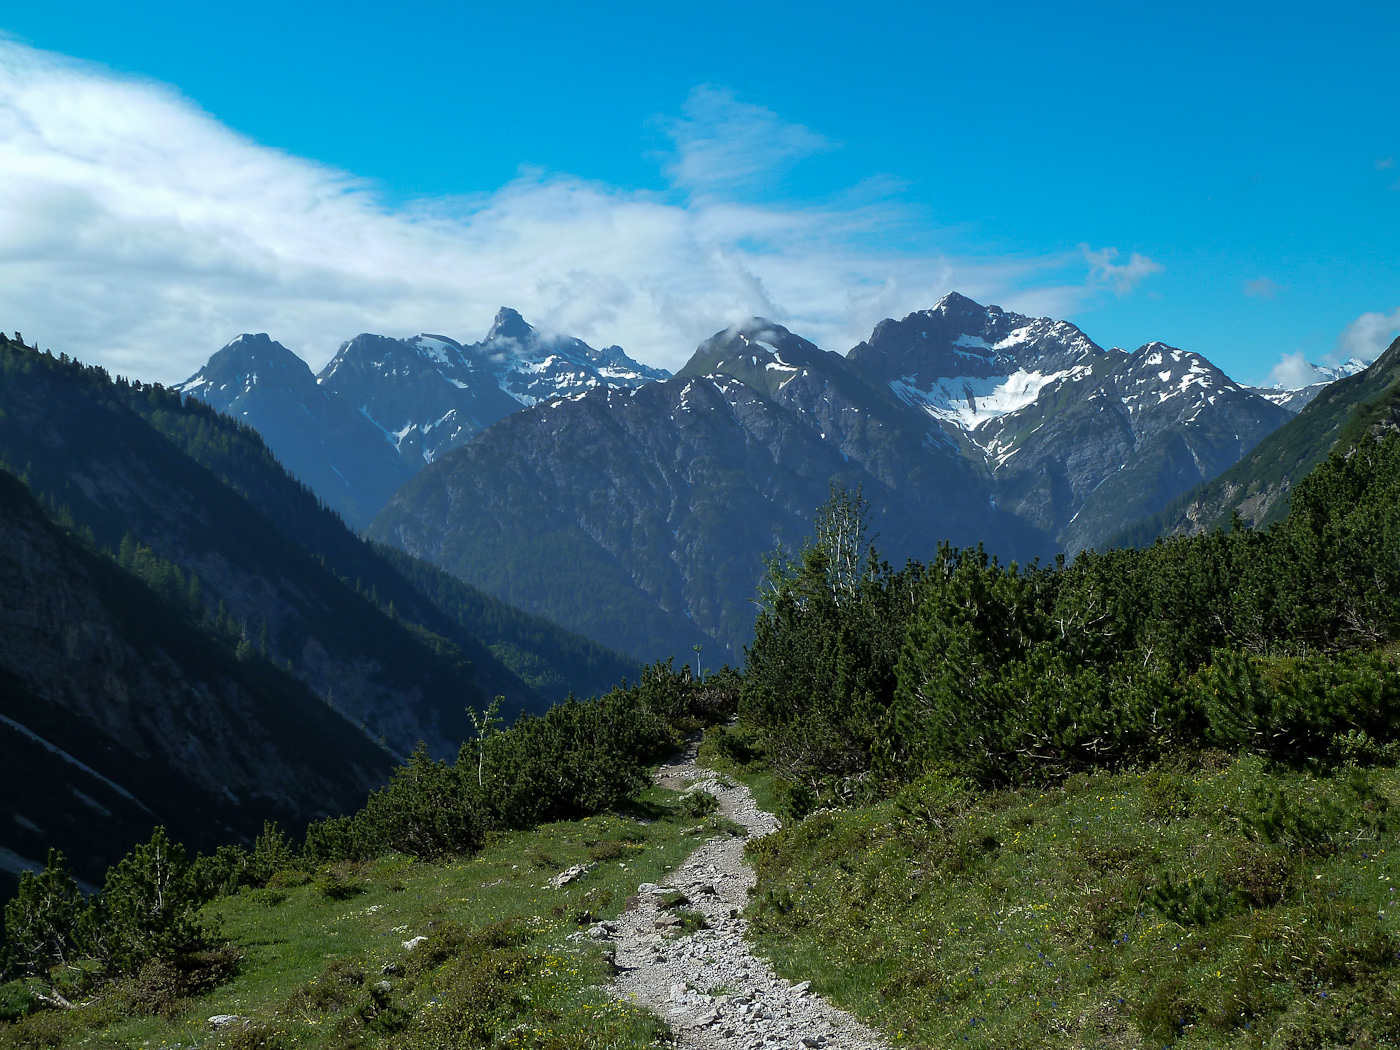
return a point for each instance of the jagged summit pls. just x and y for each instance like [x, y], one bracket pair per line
[760, 354]
[532, 366]
[965, 364]
[509, 325]
[426, 395]
[384, 407]
[1156, 373]
[317, 437]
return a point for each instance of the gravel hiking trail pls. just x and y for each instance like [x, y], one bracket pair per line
[707, 985]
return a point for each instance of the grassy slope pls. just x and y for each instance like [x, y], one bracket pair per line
[310, 962]
[1041, 917]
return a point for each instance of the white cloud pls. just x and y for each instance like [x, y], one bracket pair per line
[1294, 371]
[1364, 340]
[723, 145]
[1120, 277]
[1367, 337]
[138, 232]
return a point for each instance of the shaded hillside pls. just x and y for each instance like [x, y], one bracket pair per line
[1258, 486]
[116, 714]
[505, 646]
[74, 435]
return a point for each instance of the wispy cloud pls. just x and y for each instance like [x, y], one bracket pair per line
[139, 232]
[1121, 278]
[723, 145]
[1261, 288]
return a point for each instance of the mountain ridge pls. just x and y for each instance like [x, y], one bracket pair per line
[1038, 441]
[1258, 485]
[382, 408]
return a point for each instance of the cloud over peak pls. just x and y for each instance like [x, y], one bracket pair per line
[139, 232]
[1367, 337]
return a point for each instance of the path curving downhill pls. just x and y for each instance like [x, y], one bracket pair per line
[714, 993]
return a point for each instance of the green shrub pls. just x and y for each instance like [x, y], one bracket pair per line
[698, 803]
[17, 1000]
[733, 748]
[252, 1035]
[272, 853]
[338, 886]
[221, 873]
[288, 878]
[164, 986]
[604, 851]
[42, 919]
[337, 986]
[147, 908]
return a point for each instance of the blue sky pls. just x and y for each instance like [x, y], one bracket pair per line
[1225, 178]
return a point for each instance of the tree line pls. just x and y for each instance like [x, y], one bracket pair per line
[862, 676]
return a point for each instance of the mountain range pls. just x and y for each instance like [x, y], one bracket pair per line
[641, 516]
[636, 508]
[1257, 487]
[384, 408]
[191, 635]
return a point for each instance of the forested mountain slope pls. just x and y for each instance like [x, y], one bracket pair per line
[269, 558]
[505, 645]
[119, 713]
[1258, 486]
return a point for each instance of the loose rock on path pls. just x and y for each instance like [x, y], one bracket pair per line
[713, 992]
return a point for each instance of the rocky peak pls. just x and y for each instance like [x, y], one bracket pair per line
[509, 325]
[760, 354]
[441, 350]
[1156, 373]
[965, 364]
[369, 354]
[245, 362]
[960, 339]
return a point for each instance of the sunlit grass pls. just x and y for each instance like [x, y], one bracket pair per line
[311, 964]
[1133, 909]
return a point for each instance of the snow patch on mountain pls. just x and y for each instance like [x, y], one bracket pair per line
[969, 401]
